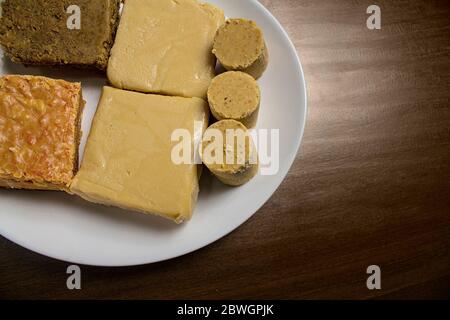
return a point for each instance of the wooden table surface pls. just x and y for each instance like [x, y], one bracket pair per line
[370, 186]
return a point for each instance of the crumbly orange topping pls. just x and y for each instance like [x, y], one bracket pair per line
[39, 128]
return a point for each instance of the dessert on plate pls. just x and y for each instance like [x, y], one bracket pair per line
[235, 95]
[39, 132]
[36, 32]
[229, 152]
[161, 67]
[128, 158]
[239, 45]
[165, 47]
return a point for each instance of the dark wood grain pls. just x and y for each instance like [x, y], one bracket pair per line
[371, 184]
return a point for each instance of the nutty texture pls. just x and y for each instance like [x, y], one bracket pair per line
[39, 132]
[239, 45]
[235, 95]
[34, 32]
[229, 152]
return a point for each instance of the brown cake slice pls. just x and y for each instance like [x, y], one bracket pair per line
[39, 132]
[35, 32]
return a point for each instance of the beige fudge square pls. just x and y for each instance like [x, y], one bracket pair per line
[127, 161]
[165, 47]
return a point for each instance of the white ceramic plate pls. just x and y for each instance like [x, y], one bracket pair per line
[67, 228]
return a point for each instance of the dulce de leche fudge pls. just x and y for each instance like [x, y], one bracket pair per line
[165, 47]
[128, 158]
[59, 32]
[39, 132]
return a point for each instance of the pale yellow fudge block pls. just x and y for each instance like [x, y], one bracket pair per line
[165, 47]
[128, 158]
